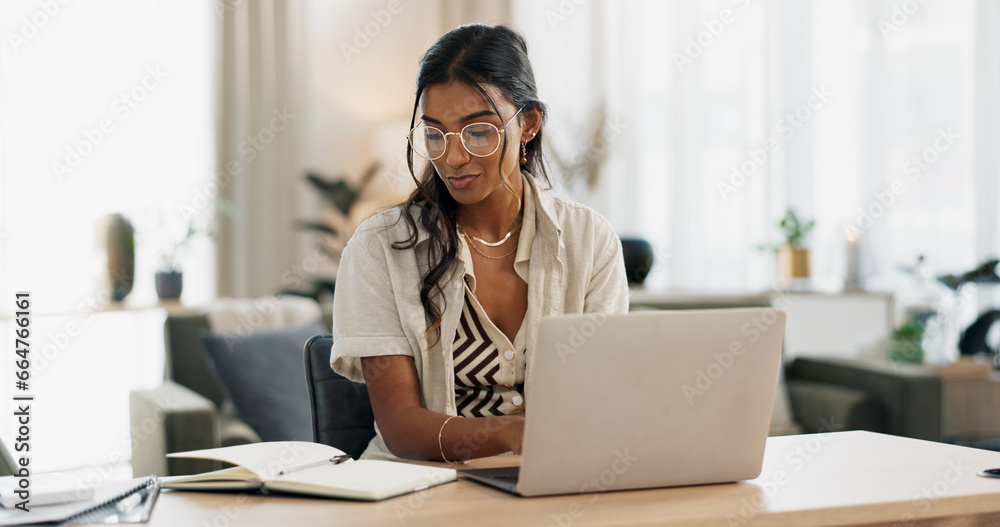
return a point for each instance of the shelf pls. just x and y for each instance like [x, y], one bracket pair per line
[170, 306]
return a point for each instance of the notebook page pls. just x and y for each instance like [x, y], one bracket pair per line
[269, 458]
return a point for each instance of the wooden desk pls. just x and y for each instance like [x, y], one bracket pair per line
[844, 478]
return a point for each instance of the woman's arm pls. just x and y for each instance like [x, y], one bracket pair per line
[411, 431]
[607, 291]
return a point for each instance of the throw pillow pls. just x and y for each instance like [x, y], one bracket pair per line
[782, 421]
[263, 374]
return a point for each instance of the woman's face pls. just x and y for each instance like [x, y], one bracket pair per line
[450, 107]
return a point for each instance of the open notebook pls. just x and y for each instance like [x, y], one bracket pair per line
[299, 467]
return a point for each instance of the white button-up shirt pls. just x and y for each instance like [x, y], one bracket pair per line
[576, 267]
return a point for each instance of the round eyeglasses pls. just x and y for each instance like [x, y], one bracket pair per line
[478, 139]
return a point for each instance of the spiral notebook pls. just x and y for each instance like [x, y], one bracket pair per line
[127, 501]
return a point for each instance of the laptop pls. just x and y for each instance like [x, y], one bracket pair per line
[647, 399]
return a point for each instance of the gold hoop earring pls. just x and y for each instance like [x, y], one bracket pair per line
[524, 152]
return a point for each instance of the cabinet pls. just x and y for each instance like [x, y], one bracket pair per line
[846, 325]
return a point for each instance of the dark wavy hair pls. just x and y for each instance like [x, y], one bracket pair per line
[478, 55]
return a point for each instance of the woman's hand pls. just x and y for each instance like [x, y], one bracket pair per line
[413, 432]
[512, 432]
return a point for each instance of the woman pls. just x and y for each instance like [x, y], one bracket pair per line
[438, 300]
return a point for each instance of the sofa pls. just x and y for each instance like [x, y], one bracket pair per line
[190, 410]
[897, 399]
[826, 394]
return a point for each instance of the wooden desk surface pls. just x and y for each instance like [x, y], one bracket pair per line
[843, 478]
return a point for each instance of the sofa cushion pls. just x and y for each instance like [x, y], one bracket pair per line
[782, 420]
[823, 407]
[262, 373]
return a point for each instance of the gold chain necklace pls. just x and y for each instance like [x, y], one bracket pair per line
[481, 253]
[511, 230]
[489, 244]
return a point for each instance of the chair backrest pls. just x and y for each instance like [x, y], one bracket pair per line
[341, 411]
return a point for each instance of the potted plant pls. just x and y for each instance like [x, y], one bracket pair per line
[338, 203]
[793, 256]
[906, 343]
[170, 276]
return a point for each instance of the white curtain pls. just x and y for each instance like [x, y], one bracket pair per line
[987, 135]
[259, 166]
[721, 115]
[351, 105]
[668, 123]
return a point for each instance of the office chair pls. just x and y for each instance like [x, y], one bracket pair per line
[341, 412]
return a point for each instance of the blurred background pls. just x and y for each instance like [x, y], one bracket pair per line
[240, 142]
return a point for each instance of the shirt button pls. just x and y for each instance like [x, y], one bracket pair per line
[517, 400]
[458, 283]
[509, 354]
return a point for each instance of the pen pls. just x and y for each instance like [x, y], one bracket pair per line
[336, 460]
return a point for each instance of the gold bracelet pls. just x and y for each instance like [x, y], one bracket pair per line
[440, 445]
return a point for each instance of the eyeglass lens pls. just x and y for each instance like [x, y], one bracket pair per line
[479, 139]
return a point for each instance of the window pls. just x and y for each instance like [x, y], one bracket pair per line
[871, 106]
[105, 107]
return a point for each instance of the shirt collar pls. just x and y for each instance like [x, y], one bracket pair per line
[527, 236]
[544, 224]
[524, 239]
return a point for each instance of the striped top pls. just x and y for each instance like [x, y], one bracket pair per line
[489, 375]
[489, 368]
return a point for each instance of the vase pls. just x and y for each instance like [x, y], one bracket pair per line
[794, 263]
[638, 256]
[169, 284]
[115, 237]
